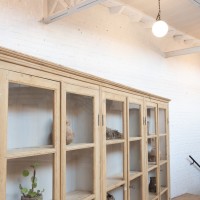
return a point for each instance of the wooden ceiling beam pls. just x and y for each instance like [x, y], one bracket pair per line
[69, 8]
[182, 52]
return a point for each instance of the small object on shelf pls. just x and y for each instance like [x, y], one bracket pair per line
[112, 134]
[69, 133]
[152, 155]
[110, 197]
[31, 194]
[152, 184]
[152, 151]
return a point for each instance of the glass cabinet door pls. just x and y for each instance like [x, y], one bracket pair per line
[135, 149]
[80, 143]
[114, 145]
[151, 135]
[163, 150]
[32, 134]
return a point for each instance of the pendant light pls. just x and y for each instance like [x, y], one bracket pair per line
[159, 28]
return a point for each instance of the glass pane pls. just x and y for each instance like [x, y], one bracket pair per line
[164, 196]
[152, 183]
[134, 120]
[152, 151]
[135, 157]
[136, 189]
[162, 121]
[79, 174]
[163, 177]
[80, 114]
[114, 163]
[44, 175]
[30, 116]
[163, 148]
[114, 119]
[151, 121]
[116, 194]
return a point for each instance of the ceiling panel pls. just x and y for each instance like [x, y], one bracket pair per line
[183, 15]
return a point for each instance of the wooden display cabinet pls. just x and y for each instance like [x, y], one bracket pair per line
[114, 145]
[30, 134]
[90, 136]
[80, 154]
[135, 148]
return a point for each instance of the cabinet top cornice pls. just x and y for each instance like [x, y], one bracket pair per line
[27, 61]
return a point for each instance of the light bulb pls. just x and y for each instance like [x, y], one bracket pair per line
[160, 28]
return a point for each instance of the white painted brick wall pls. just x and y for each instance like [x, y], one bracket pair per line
[112, 47]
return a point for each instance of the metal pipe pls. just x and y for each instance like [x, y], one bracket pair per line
[194, 161]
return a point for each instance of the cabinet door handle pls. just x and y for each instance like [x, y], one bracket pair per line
[102, 120]
[98, 119]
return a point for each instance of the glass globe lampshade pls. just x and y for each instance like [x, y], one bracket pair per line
[160, 28]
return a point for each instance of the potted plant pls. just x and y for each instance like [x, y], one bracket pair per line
[32, 193]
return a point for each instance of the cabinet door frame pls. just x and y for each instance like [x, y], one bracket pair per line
[165, 106]
[140, 102]
[29, 80]
[85, 89]
[114, 95]
[149, 102]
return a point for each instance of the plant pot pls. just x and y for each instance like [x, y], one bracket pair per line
[33, 198]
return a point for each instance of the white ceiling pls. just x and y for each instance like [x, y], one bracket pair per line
[183, 15]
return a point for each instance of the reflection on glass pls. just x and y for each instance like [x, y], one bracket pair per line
[134, 120]
[163, 176]
[136, 189]
[30, 116]
[79, 173]
[152, 153]
[163, 148]
[162, 121]
[80, 114]
[135, 156]
[114, 163]
[114, 119]
[151, 121]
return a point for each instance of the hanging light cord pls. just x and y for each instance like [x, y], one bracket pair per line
[159, 12]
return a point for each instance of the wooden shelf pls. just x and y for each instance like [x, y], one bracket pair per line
[162, 162]
[114, 182]
[152, 196]
[134, 174]
[72, 147]
[163, 189]
[151, 167]
[30, 151]
[116, 141]
[151, 136]
[79, 195]
[134, 139]
[162, 134]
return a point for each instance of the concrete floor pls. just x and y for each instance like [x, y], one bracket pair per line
[187, 197]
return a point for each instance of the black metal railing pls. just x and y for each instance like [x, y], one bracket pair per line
[194, 161]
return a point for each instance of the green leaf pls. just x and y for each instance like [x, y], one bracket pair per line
[24, 190]
[35, 180]
[25, 173]
[35, 165]
[34, 185]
